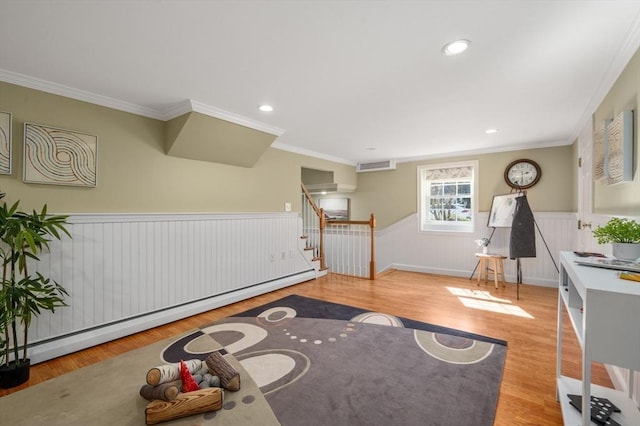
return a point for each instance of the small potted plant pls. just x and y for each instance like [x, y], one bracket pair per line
[624, 236]
[483, 242]
[23, 294]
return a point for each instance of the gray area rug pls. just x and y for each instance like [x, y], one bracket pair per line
[302, 362]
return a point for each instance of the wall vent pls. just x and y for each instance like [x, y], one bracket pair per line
[376, 166]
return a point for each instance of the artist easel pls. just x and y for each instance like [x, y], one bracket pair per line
[518, 264]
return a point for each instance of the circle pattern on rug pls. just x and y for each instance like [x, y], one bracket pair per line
[452, 349]
[379, 319]
[276, 368]
[276, 315]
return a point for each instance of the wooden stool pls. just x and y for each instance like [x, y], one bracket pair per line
[497, 267]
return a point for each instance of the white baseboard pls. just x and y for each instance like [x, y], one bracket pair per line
[542, 282]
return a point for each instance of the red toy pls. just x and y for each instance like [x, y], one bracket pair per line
[188, 383]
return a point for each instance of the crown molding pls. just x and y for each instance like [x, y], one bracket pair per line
[190, 105]
[483, 151]
[164, 115]
[77, 94]
[309, 153]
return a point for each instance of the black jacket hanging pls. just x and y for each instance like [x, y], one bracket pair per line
[523, 237]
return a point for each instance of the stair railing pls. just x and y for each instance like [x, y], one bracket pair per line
[343, 246]
[349, 244]
[313, 224]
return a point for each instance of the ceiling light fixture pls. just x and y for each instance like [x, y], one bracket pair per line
[491, 131]
[265, 108]
[455, 47]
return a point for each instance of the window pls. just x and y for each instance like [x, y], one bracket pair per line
[446, 196]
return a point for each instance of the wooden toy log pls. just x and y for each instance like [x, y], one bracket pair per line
[229, 376]
[165, 391]
[186, 404]
[170, 372]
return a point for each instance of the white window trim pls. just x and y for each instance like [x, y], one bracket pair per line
[456, 227]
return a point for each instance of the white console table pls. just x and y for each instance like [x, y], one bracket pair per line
[604, 311]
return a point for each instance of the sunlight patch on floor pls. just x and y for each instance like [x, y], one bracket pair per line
[476, 294]
[477, 299]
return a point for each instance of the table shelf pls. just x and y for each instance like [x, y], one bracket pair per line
[604, 312]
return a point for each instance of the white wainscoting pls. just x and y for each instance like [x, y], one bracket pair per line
[127, 273]
[402, 246]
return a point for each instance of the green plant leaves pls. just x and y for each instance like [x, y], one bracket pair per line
[24, 296]
[618, 230]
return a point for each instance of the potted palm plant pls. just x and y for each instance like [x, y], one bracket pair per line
[24, 294]
[624, 236]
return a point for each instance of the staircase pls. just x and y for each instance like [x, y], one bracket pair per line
[341, 246]
[311, 256]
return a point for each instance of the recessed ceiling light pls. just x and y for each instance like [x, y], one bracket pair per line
[491, 131]
[265, 108]
[455, 47]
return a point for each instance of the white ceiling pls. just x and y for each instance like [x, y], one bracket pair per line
[353, 81]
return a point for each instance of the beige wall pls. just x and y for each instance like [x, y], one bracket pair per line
[392, 195]
[622, 198]
[135, 175]
[314, 177]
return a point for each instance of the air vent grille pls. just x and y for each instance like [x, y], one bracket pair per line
[376, 166]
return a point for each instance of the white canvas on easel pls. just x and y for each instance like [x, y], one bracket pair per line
[502, 209]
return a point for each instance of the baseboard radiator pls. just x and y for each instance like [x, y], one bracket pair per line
[128, 273]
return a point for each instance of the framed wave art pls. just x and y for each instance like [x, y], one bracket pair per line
[5, 143]
[59, 157]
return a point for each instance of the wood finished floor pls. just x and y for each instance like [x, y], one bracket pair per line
[527, 394]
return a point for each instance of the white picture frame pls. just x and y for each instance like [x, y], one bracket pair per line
[335, 208]
[619, 144]
[600, 151]
[57, 156]
[6, 143]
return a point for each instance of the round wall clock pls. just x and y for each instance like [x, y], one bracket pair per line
[522, 174]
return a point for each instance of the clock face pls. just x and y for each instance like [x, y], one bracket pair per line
[522, 174]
